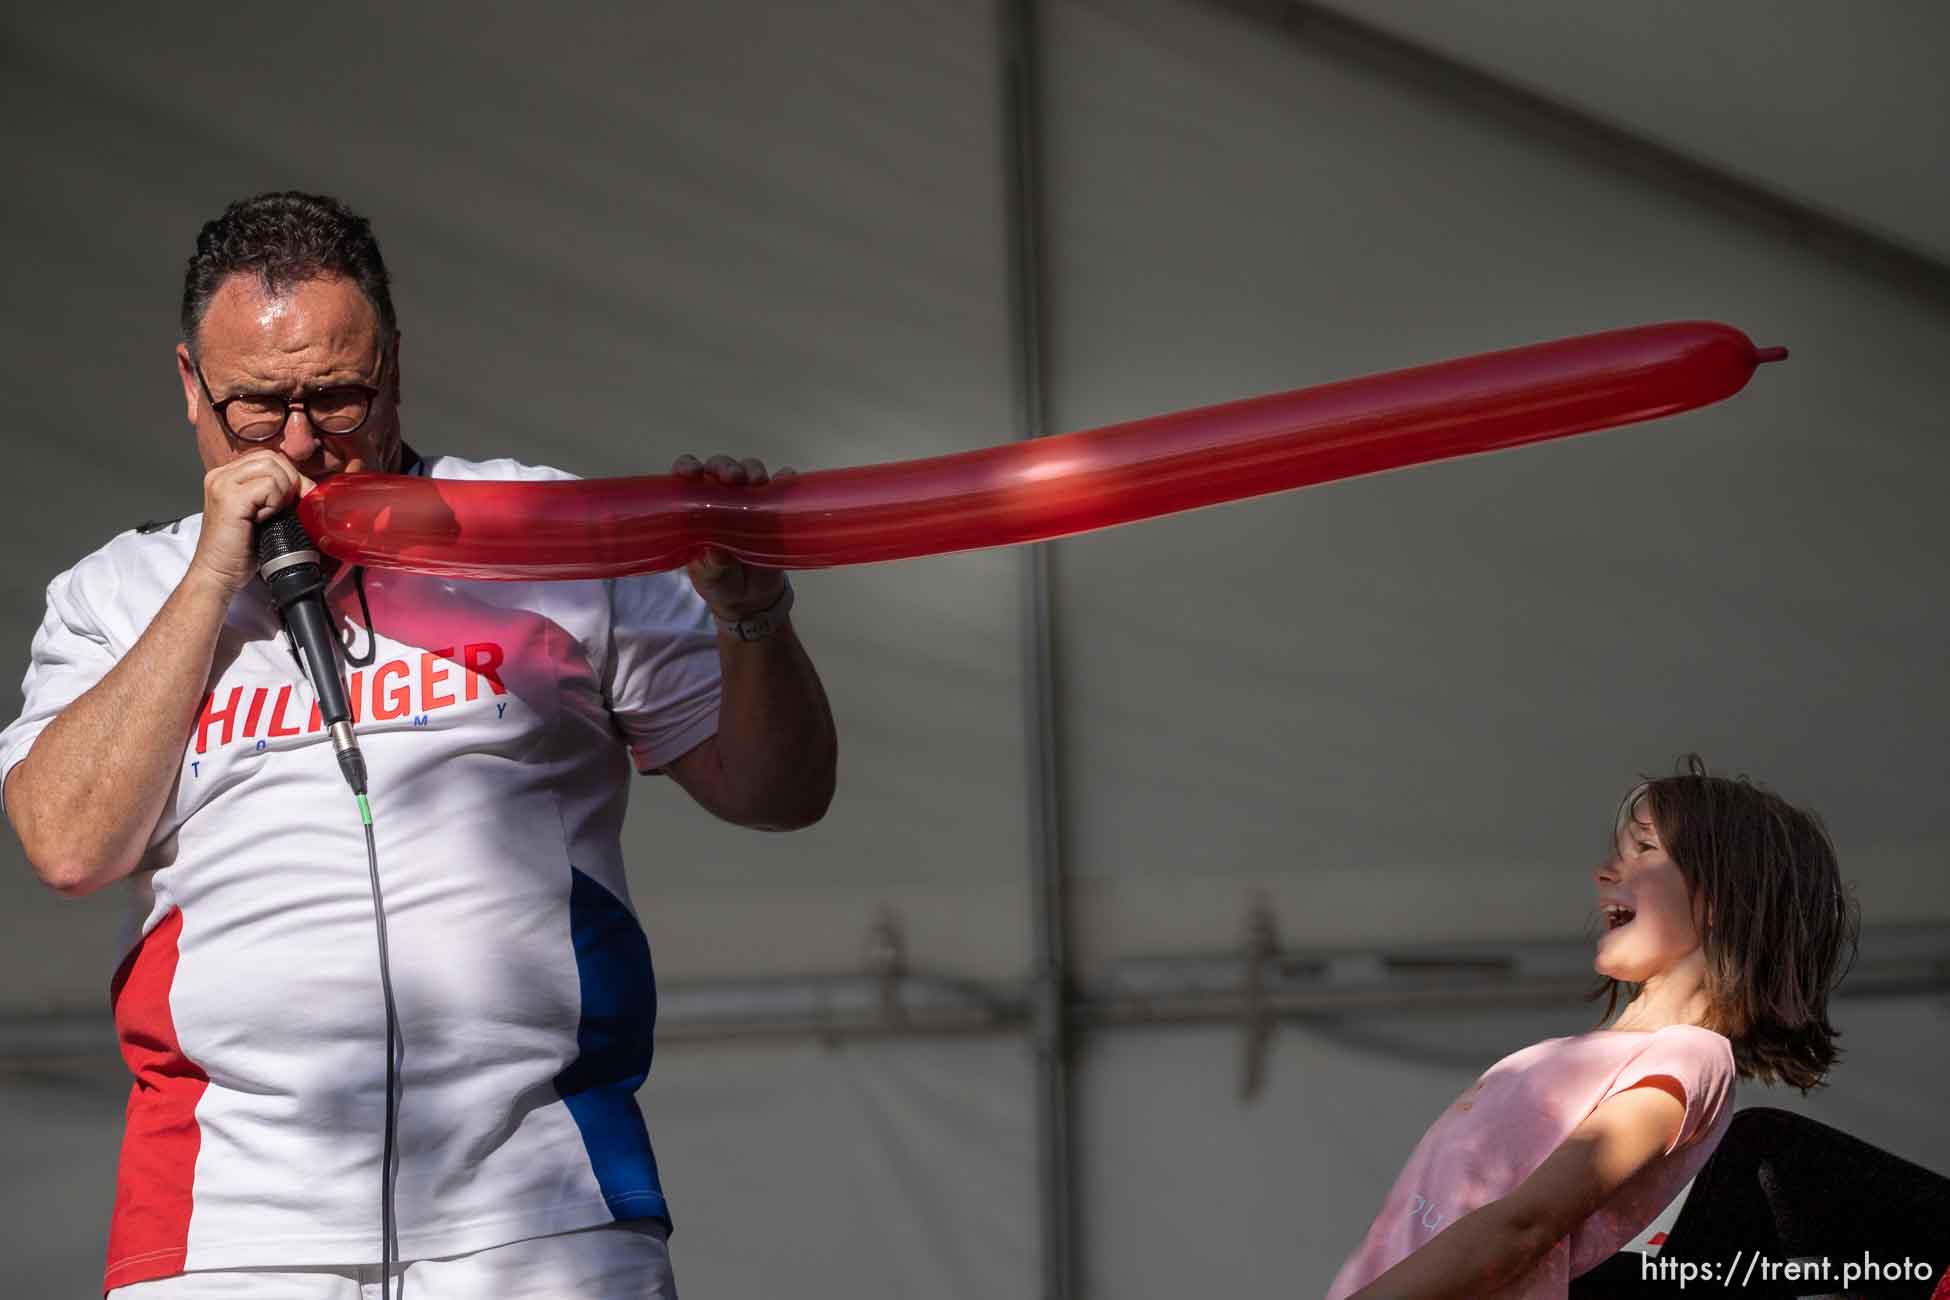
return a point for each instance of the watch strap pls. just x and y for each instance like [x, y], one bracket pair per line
[766, 622]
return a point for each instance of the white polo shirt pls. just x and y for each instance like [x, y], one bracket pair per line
[498, 722]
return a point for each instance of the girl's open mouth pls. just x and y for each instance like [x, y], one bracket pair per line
[1617, 914]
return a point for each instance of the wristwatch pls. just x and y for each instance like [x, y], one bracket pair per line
[756, 627]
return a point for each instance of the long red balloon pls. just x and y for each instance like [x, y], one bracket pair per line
[1033, 490]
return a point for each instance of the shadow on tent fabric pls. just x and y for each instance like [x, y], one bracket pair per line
[1781, 1188]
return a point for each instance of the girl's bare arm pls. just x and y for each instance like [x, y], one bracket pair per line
[1489, 1248]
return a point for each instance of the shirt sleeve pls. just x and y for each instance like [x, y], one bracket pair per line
[70, 654]
[661, 682]
[1700, 1061]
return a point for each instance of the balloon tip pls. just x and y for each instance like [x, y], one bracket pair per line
[1764, 355]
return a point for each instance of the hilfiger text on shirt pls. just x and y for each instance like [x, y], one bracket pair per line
[443, 678]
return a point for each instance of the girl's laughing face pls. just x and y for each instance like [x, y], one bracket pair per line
[1646, 910]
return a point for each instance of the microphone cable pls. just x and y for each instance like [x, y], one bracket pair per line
[389, 1147]
[395, 1047]
[289, 565]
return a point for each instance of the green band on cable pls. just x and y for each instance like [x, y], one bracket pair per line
[365, 809]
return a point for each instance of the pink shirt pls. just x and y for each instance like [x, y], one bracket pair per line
[1498, 1132]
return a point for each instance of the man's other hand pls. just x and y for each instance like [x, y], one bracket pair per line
[733, 589]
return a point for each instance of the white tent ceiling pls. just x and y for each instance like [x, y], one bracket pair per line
[1842, 107]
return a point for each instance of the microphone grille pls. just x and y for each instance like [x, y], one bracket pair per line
[281, 535]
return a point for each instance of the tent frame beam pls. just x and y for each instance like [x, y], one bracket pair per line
[1233, 988]
[1328, 30]
[1050, 992]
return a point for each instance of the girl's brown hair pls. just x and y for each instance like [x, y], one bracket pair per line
[1777, 928]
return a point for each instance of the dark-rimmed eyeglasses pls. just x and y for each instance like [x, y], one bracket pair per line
[337, 411]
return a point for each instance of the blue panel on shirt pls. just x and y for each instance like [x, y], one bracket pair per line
[613, 1044]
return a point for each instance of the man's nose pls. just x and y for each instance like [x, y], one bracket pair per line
[299, 441]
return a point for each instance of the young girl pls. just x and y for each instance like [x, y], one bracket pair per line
[1726, 922]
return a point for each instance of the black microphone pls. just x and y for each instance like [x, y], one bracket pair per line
[288, 563]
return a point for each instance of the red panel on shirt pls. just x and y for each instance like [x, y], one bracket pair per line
[149, 1235]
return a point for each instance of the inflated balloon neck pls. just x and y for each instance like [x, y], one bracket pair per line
[1764, 355]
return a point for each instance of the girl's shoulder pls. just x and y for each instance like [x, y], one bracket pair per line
[1701, 1059]
[1608, 1049]
[1688, 1038]
[1709, 1046]
[1692, 1040]
[1698, 1035]
[1691, 1035]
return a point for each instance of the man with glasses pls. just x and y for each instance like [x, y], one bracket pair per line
[169, 740]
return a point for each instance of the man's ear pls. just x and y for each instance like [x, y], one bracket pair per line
[192, 389]
[392, 371]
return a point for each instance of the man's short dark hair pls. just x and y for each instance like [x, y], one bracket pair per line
[285, 239]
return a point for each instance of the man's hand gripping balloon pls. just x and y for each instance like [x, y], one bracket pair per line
[733, 589]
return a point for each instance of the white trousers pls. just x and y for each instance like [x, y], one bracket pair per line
[617, 1261]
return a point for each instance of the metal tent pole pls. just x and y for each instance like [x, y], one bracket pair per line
[1050, 986]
